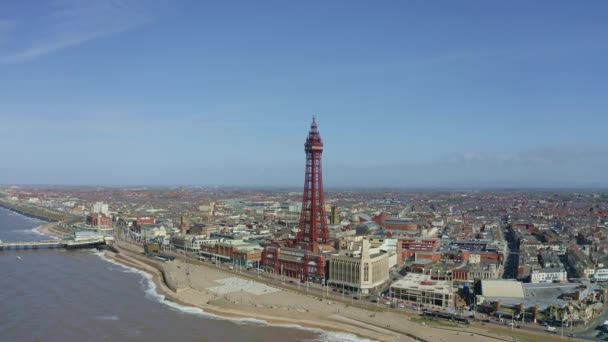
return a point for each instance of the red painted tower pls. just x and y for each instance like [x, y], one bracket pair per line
[313, 221]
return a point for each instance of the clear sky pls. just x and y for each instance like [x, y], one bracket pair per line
[406, 93]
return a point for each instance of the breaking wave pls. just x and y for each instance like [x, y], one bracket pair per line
[150, 291]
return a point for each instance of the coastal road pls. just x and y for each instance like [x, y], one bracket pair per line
[593, 331]
[512, 258]
[318, 292]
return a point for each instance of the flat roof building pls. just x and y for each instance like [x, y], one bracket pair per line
[359, 267]
[420, 289]
[238, 251]
[502, 289]
[549, 275]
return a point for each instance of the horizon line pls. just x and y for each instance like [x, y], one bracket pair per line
[299, 189]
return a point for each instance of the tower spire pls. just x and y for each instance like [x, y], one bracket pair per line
[313, 222]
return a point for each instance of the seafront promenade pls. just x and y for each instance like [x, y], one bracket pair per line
[233, 294]
[33, 211]
[206, 286]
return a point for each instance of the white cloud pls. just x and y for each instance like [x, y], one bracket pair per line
[69, 23]
[545, 155]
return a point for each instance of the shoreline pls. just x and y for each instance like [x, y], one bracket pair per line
[349, 319]
[27, 212]
[158, 276]
[128, 259]
[346, 320]
[50, 230]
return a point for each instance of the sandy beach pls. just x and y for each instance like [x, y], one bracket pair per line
[51, 230]
[216, 291]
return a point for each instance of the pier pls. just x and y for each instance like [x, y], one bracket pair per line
[68, 244]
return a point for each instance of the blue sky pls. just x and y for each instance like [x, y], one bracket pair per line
[406, 93]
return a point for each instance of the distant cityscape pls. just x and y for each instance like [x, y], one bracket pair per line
[535, 260]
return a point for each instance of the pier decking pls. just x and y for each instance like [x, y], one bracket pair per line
[90, 243]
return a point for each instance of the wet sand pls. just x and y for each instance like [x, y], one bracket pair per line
[225, 294]
[51, 230]
[218, 292]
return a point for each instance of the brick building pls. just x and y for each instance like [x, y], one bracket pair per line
[236, 251]
[407, 247]
[144, 220]
[99, 220]
[295, 262]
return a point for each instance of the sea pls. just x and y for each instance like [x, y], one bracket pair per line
[79, 295]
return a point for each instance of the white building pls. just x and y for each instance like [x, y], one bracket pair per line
[548, 275]
[388, 245]
[474, 259]
[69, 204]
[601, 274]
[292, 207]
[100, 208]
[87, 235]
[438, 224]
[359, 267]
[589, 273]
[420, 289]
[150, 232]
[189, 242]
[207, 208]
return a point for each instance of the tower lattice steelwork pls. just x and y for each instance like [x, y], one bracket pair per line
[313, 221]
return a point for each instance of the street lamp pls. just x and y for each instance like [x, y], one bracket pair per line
[512, 323]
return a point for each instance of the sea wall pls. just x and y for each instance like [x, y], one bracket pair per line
[30, 212]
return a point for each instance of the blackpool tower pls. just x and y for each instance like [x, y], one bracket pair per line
[313, 221]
